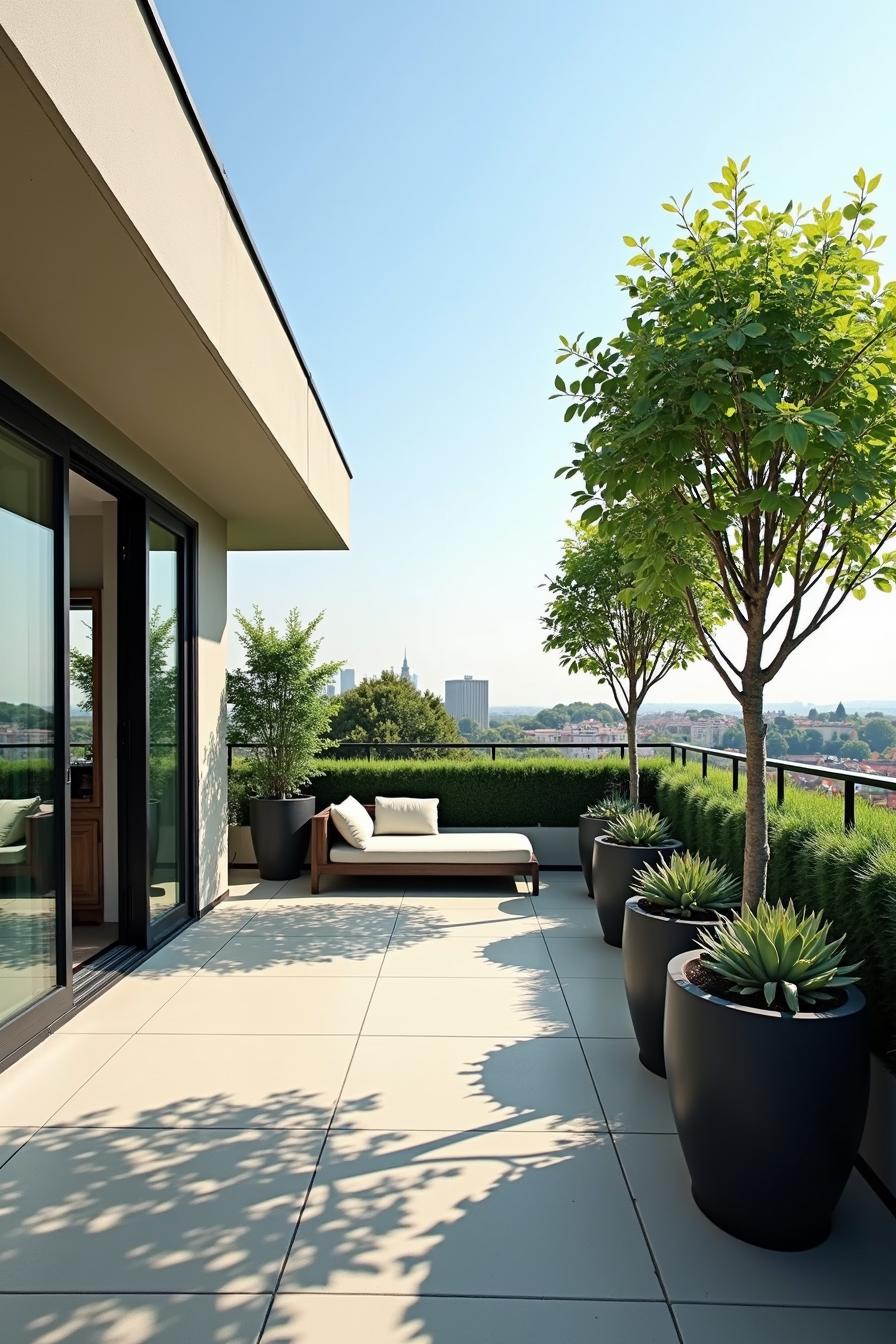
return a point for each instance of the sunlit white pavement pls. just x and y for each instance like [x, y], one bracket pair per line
[408, 1116]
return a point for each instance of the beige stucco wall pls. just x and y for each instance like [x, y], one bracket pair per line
[110, 187]
[22, 373]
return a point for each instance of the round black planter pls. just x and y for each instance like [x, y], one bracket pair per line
[769, 1108]
[649, 942]
[614, 867]
[281, 829]
[589, 829]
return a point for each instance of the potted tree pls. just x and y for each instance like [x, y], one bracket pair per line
[749, 405]
[598, 626]
[638, 839]
[670, 904]
[767, 1059]
[594, 822]
[278, 706]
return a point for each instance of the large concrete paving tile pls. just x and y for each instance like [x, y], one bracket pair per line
[494, 1215]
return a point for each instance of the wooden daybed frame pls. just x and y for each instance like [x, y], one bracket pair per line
[324, 833]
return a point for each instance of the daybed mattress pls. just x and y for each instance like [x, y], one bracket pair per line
[494, 848]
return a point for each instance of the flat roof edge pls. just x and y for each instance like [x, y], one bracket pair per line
[166, 51]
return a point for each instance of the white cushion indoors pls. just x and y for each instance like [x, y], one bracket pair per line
[13, 812]
[406, 816]
[353, 822]
[454, 848]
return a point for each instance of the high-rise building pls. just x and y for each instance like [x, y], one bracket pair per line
[467, 698]
[405, 670]
[330, 690]
[346, 680]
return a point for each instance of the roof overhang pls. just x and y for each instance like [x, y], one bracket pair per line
[126, 273]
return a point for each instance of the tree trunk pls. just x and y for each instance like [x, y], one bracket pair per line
[631, 726]
[756, 851]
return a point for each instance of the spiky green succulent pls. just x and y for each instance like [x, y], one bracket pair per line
[688, 885]
[784, 956]
[639, 826]
[611, 808]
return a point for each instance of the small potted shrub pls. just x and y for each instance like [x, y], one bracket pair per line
[278, 705]
[637, 839]
[669, 905]
[767, 1058]
[594, 822]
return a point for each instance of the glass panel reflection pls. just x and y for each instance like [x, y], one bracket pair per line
[164, 820]
[81, 694]
[28, 907]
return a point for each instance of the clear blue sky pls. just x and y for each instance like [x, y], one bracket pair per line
[438, 188]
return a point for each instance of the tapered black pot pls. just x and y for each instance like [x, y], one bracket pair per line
[769, 1108]
[589, 829]
[281, 829]
[614, 867]
[650, 940]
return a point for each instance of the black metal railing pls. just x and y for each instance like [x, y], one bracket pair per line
[851, 780]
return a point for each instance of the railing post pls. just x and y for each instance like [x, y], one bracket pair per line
[704, 763]
[779, 770]
[494, 752]
[672, 752]
[368, 751]
[622, 751]
[735, 774]
[849, 804]
[684, 755]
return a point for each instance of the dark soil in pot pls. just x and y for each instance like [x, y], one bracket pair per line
[281, 830]
[614, 867]
[769, 1107]
[650, 939]
[589, 829]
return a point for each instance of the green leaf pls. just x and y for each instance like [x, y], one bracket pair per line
[559, 384]
[700, 402]
[797, 436]
[753, 329]
[736, 340]
[884, 585]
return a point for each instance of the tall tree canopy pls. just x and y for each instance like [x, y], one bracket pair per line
[749, 402]
[388, 709]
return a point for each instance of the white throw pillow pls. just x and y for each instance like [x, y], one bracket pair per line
[407, 816]
[13, 812]
[353, 822]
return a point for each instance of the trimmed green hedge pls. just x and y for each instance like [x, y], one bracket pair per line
[489, 793]
[25, 779]
[544, 792]
[815, 863]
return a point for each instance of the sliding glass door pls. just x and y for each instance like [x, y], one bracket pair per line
[34, 928]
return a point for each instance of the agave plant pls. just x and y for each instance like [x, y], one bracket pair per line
[638, 826]
[778, 953]
[611, 808]
[688, 885]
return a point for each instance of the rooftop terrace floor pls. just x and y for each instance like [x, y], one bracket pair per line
[400, 1115]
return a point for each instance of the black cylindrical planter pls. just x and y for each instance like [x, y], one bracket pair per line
[649, 942]
[614, 867]
[769, 1108]
[589, 829]
[281, 829]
